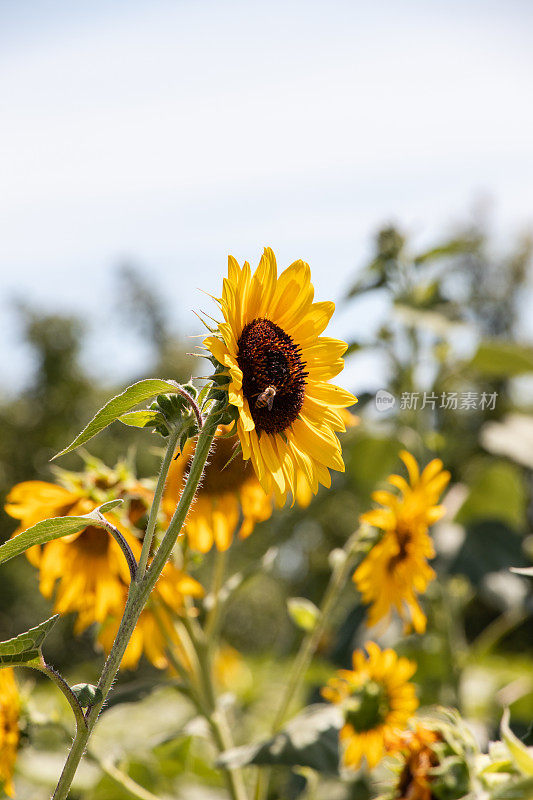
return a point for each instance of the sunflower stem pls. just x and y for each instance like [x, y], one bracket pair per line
[138, 595]
[122, 778]
[215, 716]
[156, 503]
[122, 543]
[213, 616]
[73, 701]
[219, 729]
[354, 553]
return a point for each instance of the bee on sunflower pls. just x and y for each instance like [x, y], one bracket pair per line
[86, 572]
[9, 728]
[377, 700]
[278, 367]
[396, 569]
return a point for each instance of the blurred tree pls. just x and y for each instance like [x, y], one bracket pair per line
[141, 306]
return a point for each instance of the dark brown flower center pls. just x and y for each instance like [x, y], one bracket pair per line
[404, 538]
[221, 474]
[273, 375]
[93, 542]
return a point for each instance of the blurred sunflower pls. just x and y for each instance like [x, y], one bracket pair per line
[279, 366]
[155, 627]
[9, 728]
[377, 700]
[87, 570]
[396, 568]
[88, 567]
[230, 497]
[230, 494]
[418, 758]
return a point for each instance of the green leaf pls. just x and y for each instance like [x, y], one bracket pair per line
[303, 612]
[109, 506]
[141, 419]
[49, 529]
[497, 492]
[455, 247]
[501, 359]
[528, 571]
[119, 405]
[26, 647]
[522, 755]
[309, 740]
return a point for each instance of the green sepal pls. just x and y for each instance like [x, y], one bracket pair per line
[146, 418]
[191, 389]
[220, 378]
[25, 649]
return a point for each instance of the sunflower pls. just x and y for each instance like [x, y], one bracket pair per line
[418, 758]
[9, 728]
[377, 700]
[278, 368]
[396, 568]
[87, 571]
[88, 567]
[230, 496]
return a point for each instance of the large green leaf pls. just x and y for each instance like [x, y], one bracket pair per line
[309, 740]
[25, 649]
[501, 359]
[49, 529]
[128, 399]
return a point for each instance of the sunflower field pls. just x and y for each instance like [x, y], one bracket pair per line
[252, 584]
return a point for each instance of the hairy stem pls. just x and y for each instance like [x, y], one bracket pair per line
[156, 503]
[214, 716]
[137, 597]
[61, 683]
[213, 616]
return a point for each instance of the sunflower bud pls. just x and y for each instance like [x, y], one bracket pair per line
[87, 694]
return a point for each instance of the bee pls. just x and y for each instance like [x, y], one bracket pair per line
[266, 398]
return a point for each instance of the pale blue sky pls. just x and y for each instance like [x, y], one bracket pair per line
[175, 132]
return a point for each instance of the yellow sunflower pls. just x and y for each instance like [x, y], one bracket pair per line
[377, 700]
[88, 567]
[396, 569]
[230, 494]
[279, 366]
[9, 728]
[87, 570]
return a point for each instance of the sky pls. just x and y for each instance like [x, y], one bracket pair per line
[171, 133]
